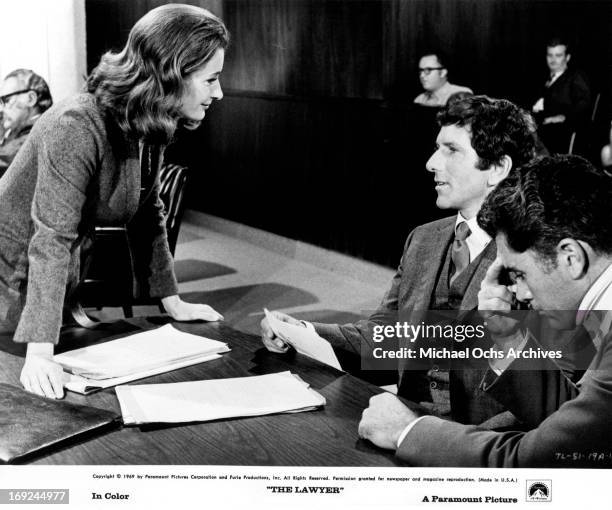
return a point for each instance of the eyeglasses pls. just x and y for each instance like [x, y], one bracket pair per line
[4, 99]
[427, 70]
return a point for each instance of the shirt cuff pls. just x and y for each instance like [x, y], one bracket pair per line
[407, 430]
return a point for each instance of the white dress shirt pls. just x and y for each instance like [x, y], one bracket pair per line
[599, 296]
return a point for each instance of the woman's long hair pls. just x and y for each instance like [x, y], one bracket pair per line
[142, 85]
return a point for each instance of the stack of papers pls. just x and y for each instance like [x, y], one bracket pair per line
[303, 340]
[134, 357]
[216, 399]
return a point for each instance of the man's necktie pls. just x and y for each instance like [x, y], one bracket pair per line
[460, 253]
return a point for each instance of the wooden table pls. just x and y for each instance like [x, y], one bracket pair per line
[325, 437]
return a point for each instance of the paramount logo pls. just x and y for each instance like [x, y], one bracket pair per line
[539, 490]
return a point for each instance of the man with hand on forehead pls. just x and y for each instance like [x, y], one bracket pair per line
[552, 221]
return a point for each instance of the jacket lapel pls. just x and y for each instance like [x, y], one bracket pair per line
[435, 246]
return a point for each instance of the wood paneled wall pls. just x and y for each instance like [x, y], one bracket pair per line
[317, 138]
[306, 47]
[109, 22]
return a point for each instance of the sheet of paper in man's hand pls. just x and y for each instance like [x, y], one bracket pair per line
[304, 340]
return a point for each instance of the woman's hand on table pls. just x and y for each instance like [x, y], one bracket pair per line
[180, 310]
[40, 374]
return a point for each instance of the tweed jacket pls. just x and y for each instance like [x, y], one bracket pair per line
[411, 293]
[413, 284]
[75, 170]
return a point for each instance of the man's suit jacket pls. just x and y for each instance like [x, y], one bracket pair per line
[569, 95]
[578, 434]
[411, 291]
[10, 147]
[75, 170]
[413, 285]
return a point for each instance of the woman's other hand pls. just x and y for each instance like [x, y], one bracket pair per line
[40, 374]
[180, 310]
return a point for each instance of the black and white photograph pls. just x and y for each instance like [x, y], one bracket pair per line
[297, 253]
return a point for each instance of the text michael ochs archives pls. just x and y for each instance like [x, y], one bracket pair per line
[444, 341]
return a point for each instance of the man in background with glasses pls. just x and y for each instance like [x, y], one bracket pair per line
[434, 79]
[24, 96]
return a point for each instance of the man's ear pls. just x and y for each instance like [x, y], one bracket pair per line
[443, 72]
[572, 257]
[569, 55]
[31, 99]
[498, 172]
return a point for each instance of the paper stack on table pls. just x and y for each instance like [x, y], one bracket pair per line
[134, 357]
[216, 399]
[304, 340]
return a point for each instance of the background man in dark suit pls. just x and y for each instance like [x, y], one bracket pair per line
[566, 99]
[553, 226]
[480, 141]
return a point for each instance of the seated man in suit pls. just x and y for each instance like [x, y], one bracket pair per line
[552, 221]
[566, 99]
[480, 141]
[24, 96]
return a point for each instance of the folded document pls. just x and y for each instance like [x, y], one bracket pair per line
[303, 340]
[216, 399]
[135, 356]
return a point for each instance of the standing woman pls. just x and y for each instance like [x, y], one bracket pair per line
[94, 160]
